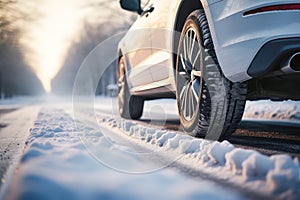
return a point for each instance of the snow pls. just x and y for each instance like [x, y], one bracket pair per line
[15, 102]
[235, 159]
[275, 175]
[219, 150]
[14, 126]
[56, 165]
[284, 175]
[272, 110]
[256, 166]
[65, 158]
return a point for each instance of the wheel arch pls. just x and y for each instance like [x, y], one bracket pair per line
[119, 56]
[185, 8]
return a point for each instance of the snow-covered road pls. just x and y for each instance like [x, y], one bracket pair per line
[99, 156]
[15, 125]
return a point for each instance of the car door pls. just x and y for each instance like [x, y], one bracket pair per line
[137, 47]
[161, 38]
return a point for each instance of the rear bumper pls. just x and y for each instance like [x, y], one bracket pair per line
[273, 55]
[238, 38]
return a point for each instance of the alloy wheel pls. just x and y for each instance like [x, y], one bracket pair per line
[189, 75]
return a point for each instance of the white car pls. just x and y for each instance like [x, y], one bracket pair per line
[211, 55]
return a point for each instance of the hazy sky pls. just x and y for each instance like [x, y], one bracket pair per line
[49, 37]
[59, 24]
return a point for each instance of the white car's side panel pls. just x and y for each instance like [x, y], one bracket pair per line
[136, 46]
[163, 20]
[162, 24]
[161, 38]
[237, 38]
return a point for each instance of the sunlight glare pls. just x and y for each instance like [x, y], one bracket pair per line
[51, 36]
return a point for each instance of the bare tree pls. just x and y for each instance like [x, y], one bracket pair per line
[110, 19]
[16, 78]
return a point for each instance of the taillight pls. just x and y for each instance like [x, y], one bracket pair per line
[273, 8]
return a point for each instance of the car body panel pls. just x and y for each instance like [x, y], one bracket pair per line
[237, 38]
[163, 18]
[136, 45]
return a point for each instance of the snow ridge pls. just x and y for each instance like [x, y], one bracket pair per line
[277, 175]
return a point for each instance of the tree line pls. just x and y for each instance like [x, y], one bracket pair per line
[16, 77]
[92, 34]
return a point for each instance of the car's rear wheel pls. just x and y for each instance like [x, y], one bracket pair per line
[208, 103]
[130, 106]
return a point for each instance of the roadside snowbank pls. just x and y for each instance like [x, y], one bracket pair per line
[266, 109]
[278, 175]
[262, 110]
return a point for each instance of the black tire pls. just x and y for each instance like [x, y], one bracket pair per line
[130, 106]
[209, 104]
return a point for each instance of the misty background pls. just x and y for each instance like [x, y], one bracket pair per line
[43, 43]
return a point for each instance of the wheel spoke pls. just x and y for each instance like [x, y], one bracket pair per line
[184, 74]
[183, 62]
[185, 104]
[182, 97]
[185, 47]
[190, 45]
[195, 60]
[193, 44]
[192, 106]
[196, 89]
[182, 101]
[182, 93]
[181, 80]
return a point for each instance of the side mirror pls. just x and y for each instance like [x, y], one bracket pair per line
[132, 5]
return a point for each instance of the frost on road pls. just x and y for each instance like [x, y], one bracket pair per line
[67, 159]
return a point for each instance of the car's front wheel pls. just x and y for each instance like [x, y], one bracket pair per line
[130, 106]
[208, 103]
